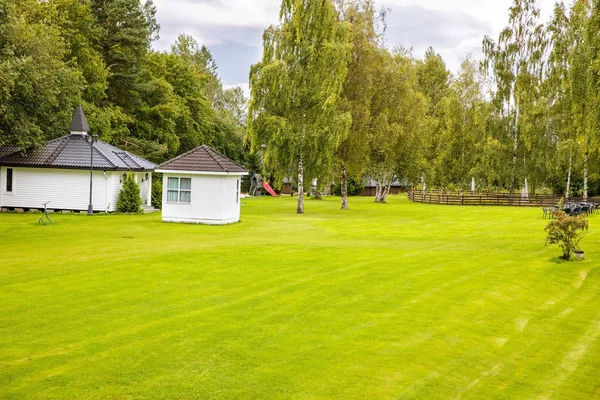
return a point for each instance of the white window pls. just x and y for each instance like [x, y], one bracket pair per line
[237, 193]
[179, 190]
[9, 180]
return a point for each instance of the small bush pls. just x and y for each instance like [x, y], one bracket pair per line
[129, 197]
[157, 188]
[566, 231]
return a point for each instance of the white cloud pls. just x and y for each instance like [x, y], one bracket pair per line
[232, 29]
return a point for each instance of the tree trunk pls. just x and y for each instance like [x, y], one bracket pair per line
[377, 190]
[344, 186]
[567, 192]
[585, 176]
[513, 177]
[424, 193]
[300, 209]
[386, 192]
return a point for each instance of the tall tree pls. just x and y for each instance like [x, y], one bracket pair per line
[398, 114]
[204, 63]
[38, 89]
[433, 79]
[463, 125]
[127, 28]
[590, 138]
[358, 90]
[295, 91]
[559, 86]
[513, 63]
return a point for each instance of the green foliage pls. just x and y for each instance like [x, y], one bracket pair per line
[398, 114]
[59, 53]
[295, 91]
[566, 231]
[38, 88]
[515, 63]
[354, 188]
[126, 29]
[157, 191]
[129, 198]
[359, 86]
[462, 116]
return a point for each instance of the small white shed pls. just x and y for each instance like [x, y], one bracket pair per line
[202, 187]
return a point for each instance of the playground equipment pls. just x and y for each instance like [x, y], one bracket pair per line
[257, 184]
[269, 189]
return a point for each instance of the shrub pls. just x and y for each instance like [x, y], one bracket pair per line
[157, 191]
[129, 197]
[566, 231]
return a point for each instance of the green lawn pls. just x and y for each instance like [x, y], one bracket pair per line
[398, 300]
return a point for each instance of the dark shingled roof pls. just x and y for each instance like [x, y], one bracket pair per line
[79, 123]
[73, 151]
[203, 159]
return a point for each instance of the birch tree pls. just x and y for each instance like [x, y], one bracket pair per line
[590, 137]
[559, 86]
[462, 125]
[433, 80]
[512, 62]
[398, 115]
[295, 91]
[358, 91]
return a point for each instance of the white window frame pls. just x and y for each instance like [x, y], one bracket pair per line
[179, 190]
[237, 193]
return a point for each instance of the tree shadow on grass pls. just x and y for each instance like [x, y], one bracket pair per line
[559, 260]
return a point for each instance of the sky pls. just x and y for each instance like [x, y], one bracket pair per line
[232, 29]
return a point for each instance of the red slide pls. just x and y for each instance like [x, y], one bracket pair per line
[269, 189]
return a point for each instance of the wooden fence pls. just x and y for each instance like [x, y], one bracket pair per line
[468, 198]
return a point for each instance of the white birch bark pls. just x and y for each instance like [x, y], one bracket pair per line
[585, 176]
[568, 191]
[300, 208]
[344, 186]
[513, 177]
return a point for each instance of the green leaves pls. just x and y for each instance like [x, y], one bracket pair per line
[129, 200]
[295, 89]
[566, 231]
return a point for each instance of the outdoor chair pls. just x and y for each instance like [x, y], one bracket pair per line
[545, 210]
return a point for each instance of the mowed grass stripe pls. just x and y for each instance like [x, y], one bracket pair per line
[397, 300]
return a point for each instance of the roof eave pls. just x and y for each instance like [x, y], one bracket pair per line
[82, 168]
[184, 172]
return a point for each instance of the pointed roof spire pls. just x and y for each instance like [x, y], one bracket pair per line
[79, 124]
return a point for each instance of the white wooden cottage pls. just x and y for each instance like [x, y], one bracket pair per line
[59, 173]
[201, 186]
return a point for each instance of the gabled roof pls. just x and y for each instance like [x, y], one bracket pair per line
[73, 151]
[79, 123]
[203, 159]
